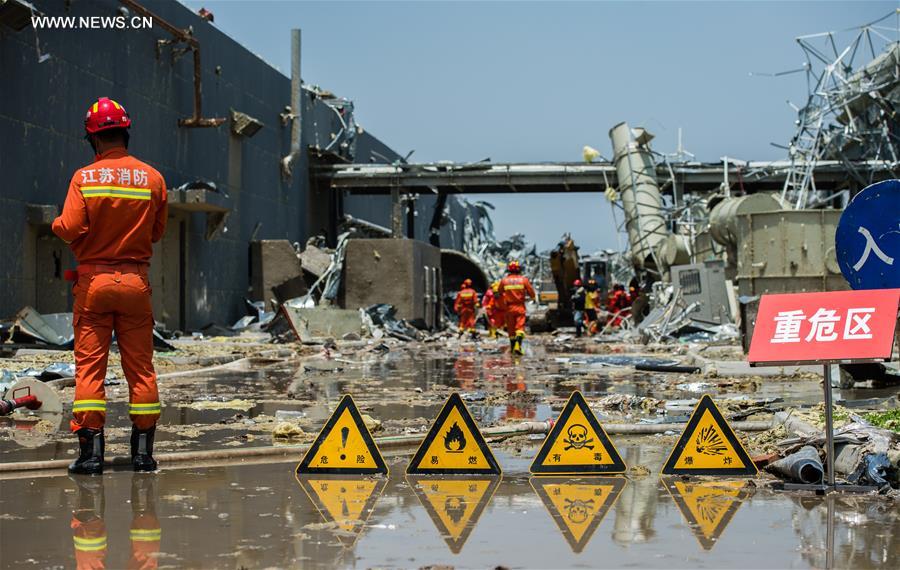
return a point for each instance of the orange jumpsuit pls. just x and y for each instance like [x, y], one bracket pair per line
[465, 305]
[616, 304]
[145, 536]
[115, 210]
[515, 289]
[490, 302]
[89, 540]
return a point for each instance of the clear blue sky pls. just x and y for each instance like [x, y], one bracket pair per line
[536, 81]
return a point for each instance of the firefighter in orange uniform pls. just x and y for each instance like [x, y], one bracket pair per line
[491, 304]
[617, 303]
[514, 289]
[466, 306]
[114, 211]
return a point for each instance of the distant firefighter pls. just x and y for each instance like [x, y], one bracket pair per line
[493, 309]
[618, 303]
[466, 306]
[578, 298]
[592, 305]
[514, 289]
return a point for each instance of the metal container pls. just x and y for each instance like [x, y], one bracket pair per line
[723, 224]
[788, 251]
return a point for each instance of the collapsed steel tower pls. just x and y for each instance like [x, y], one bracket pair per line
[851, 111]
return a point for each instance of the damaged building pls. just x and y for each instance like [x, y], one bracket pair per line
[236, 140]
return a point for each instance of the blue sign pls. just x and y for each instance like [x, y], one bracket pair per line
[867, 241]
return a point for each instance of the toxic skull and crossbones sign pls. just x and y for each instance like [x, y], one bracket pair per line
[577, 511]
[578, 438]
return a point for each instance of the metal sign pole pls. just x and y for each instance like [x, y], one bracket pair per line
[829, 431]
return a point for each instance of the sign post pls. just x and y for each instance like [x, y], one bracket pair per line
[841, 327]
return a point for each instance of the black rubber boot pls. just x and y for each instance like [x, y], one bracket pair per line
[90, 458]
[517, 344]
[142, 449]
[143, 494]
[89, 495]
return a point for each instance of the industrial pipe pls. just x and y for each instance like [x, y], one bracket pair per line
[639, 190]
[667, 368]
[387, 442]
[803, 466]
[185, 36]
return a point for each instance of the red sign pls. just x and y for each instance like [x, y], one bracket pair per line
[840, 326]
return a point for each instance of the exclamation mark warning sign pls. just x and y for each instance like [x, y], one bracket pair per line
[344, 445]
[345, 432]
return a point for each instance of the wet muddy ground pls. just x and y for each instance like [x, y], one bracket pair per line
[262, 516]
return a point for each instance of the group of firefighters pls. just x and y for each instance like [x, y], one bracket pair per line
[503, 304]
[590, 312]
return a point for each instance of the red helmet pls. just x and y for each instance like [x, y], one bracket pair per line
[466, 283]
[105, 114]
[577, 283]
[514, 267]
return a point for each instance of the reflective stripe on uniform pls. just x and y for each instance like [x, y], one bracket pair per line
[116, 192]
[89, 406]
[89, 544]
[146, 534]
[145, 409]
[513, 287]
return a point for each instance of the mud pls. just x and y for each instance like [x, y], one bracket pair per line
[261, 516]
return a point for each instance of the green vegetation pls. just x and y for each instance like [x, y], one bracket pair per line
[887, 420]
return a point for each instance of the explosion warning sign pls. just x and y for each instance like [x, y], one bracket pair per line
[577, 444]
[707, 507]
[454, 445]
[344, 446]
[708, 446]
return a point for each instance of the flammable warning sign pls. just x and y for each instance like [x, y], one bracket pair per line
[344, 446]
[454, 445]
[708, 446]
[577, 444]
[454, 504]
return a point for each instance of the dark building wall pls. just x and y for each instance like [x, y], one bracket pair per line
[42, 106]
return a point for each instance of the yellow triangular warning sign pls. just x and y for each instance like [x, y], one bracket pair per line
[708, 446]
[578, 506]
[707, 507]
[346, 502]
[577, 444]
[454, 504]
[344, 446]
[454, 445]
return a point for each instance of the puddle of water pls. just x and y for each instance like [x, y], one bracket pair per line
[263, 516]
[395, 388]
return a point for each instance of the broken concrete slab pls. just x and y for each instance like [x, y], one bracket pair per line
[404, 273]
[318, 322]
[315, 260]
[275, 271]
